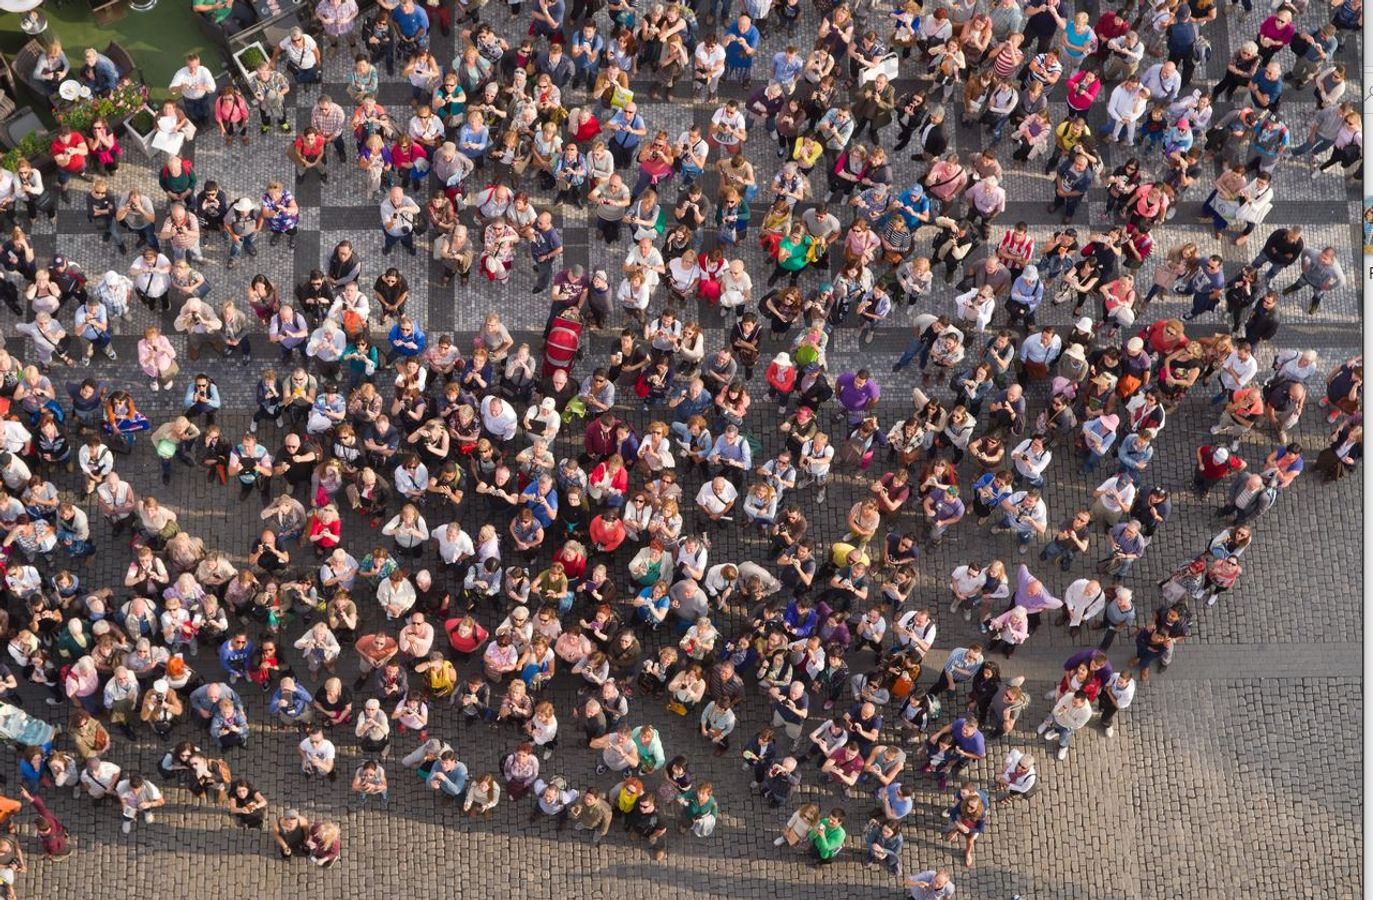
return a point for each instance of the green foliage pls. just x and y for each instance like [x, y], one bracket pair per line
[33, 145]
[126, 100]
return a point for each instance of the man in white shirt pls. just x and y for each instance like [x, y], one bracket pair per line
[398, 216]
[302, 56]
[1114, 497]
[1238, 370]
[317, 754]
[455, 545]
[709, 60]
[914, 632]
[195, 85]
[716, 498]
[1288, 365]
[1084, 599]
[498, 418]
[100, 777]
[138, 795]
[1030, 458]
[1128, 101]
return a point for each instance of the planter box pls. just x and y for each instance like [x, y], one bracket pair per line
[247, 58]
[142, 139]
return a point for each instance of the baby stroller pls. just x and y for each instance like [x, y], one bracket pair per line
[563, 346]
[20, 728]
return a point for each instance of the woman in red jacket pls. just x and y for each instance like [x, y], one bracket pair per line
[781, 377]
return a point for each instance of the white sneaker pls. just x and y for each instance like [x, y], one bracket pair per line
[154, 387]
[167, 385]
[1211, 600]
[1051, 734]
[127, 826]
[148, 818]
[1110, 731]
[1062, 753]
[777, 842]
[1043, 727]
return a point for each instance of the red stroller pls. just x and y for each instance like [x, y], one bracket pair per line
[563, 345]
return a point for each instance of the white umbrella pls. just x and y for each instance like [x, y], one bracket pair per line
[19, 6]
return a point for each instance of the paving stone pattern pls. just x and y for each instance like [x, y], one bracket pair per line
[1235, 774]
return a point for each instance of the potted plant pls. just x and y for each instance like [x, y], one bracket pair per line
[127, 99]
[249, 58]
[141, 127]
[36, 147]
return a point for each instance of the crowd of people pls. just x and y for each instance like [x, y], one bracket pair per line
[452, 525]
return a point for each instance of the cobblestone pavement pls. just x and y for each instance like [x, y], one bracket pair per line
[1235, 774]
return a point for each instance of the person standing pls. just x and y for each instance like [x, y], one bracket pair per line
[546, 247]
[931, 884]
[1320, 271]
[398, 216]
[1118, 695]
[1069, 715]
[828, 836]
[195, 85]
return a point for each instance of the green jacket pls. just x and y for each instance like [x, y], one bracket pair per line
[829, 838]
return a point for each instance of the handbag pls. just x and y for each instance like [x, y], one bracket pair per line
[1111, 565]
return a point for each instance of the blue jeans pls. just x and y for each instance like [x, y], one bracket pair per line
[1274, 269]
[74, 545]
[913, 349]
[1054, 550]
[1303, 281]
[244, 244]
[453, 782]
[148, 235]
[389, 241]
[198, 110]
[1315, 148]
[1023, 538]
